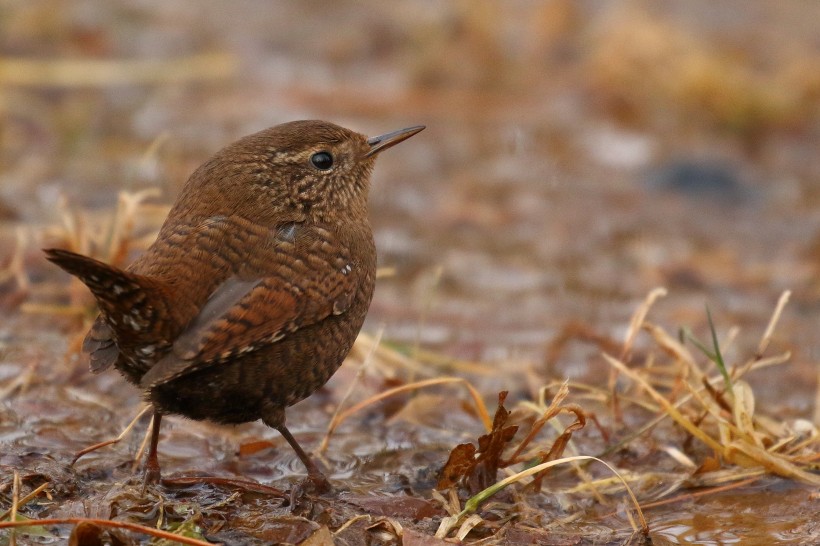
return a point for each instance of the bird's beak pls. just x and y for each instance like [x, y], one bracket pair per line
[383, 142]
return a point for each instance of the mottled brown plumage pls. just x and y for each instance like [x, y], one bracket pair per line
[256, 287]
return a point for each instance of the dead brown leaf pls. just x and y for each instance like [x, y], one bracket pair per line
[476, 469]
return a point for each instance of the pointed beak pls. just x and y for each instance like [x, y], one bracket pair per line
[383, 142]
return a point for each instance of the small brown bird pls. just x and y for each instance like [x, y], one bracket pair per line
[256, 287]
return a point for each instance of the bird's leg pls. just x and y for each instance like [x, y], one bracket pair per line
[152, 471]
[315, 475]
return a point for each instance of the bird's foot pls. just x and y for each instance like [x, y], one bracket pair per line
[305, 491]
[152, 475]
[316, 482]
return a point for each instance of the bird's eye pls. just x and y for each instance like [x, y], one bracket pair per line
[322, 160]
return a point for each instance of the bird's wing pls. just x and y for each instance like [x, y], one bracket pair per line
[305, 282]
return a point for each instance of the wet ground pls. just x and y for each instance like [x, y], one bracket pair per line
[577, 155]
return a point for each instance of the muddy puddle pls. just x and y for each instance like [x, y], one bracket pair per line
[577, 156]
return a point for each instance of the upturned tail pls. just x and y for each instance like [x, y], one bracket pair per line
[135, 307]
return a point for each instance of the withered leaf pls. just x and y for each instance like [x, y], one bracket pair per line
[474, 468]
[459, 464]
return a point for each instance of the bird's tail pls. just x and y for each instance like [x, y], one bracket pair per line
[131, 303]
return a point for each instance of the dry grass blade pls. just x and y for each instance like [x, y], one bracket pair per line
[441, 361]
[385, 272]
[638, 319]
[689, 497]
[55, 310]
[143, 445]
[428, 298]
[117, 72]
[767, 335]
[551, 411]
[480, 406]
[468, 525]
[756, 361]
[626, 440]
[740, 441]
[675, 349]
[388, 360]
[128, 205]
[365, 363]
[24, 500]
[15, 498]
[153, 148]
[774, 463]
[817, 400]
[107, 239]
[123, 434]
[72, 229]
[679, 456]
[548, 415]
[20, 382]
[451, 504]
[16, 268]
[449, 523]
[668, 407]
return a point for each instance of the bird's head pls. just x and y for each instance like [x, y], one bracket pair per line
[313, 169]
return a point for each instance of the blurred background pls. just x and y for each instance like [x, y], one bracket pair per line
[577, 155]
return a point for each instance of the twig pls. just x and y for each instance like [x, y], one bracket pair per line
[108, 523]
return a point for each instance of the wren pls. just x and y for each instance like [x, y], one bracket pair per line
[256, 286]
